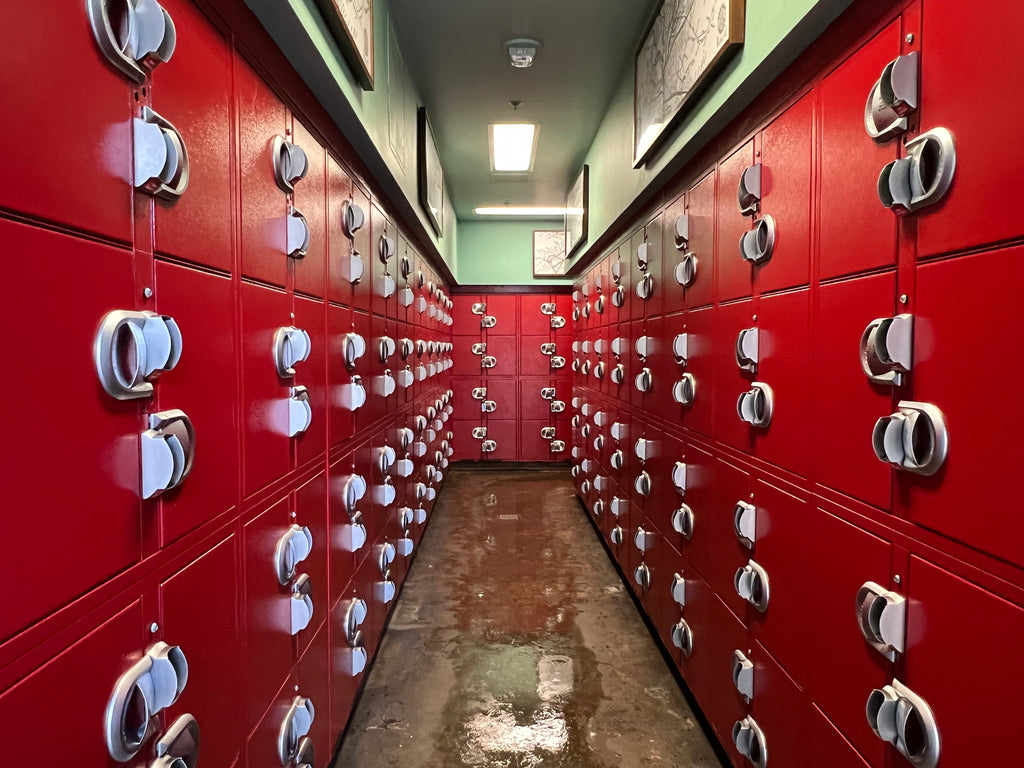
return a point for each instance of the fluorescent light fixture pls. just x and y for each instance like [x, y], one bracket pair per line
[513, 147]
[535, 211]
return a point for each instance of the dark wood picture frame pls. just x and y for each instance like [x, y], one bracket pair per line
[359, 61]
[430, 173]
[576, 224]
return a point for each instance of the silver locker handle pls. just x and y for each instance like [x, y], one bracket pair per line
[900, 717]
[882, 618]
[750, 741]
[295, 725]
[161, 159]
[134, 348]
[143, 39]
[297, 234]
[178, 747]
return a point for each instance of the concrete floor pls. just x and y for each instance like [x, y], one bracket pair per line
[515, 644]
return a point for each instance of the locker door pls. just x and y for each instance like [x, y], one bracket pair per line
[340, 259]
[827, 745]
[673, 250]
[203, 385]
[663, 365]
[100, 104]
[533, 322]
[268, 655]
[503, 307]
[376, 404]
[533, 447]
[311, 512]
[532, 360]
[200, 614]
[787, 167]
[637, 306]
[467, 362]
[661, 561]
[781, 710]
[729, 380]
[963, 219]
[843, 392]
[700, 327]
[194, 93]
[856, 232]
[348, 542]
[735, 275]
[620, 264]
[503, 393]
[731, 485]
[702, 205]
[262, 747]
[655, 289]
[89, 669]
[467, 447]
[504, 350]
[344, 684]
[311, 200]
[365, 458]
[531, 404]
[665, 496]
[699, 548]
[364, 244]
[264, 393]
[944, 340]
[101, 475]
[636, 364]
[366, 367]
[724, 706]
[467, 323]
[504, 432]
[784, 322]
[339, 322]
[260, 117]
[311, 316]
[697, 614]
[816, 564]
[942, 608]
[314, 677]
[381, 268]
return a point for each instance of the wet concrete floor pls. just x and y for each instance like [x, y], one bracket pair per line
[515, 644]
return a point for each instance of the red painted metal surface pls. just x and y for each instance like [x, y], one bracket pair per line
[734, 274]
[310, 199]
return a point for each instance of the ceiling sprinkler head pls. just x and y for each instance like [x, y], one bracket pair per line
[522, 51]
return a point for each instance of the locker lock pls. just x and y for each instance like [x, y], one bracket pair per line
[294, 727]
[599, 370]
[548, 308]
[645, 287]
[479, 348]
[546, 393]
[385, 248]
[618, 268]
[642, 576]
[585, 431]
[353, 347]
[386, 286]
[588, 466]
[575, 314]
[644, 380]
[292, 549]
[619, 506]
[678, 589]
[601, 483]
[599, 305]
[743, 675]
[305, 753]
[679, 472]
[488, 446]
[684, 390]
[598, 508]
[681, 348]
[645, 449]
[296, 234]
[642, 484]
[290, 164]
[645, 346]
[887, 349]
[548, 433]
[479, 393]
[291, 346]
[488, 321]
[301, 603]
[386, 458]
[300, 412]
[618, 430]
[600, 418]
[682, 231]
[353, 488]
[914, 438]
[168, 451]
[489, 361]
[488, 406]
[557, 446]
[644, 540]
[406, 347]
[352, 219]
[682, 637]
[557, 361]
[748, 349]
[923, 176]
[557, 322]
[744, 523]
[150, 685]
[352, 537]
[686, 270]
[619, 346]
[900, 717]
[893, 97]
[178, 746]
[748, 193]
[750, 742]
[617, 459]
[479, 432]
[643, 255]
[405, 266]
[585, 311]
[619, 373]
[751, 582]
[405, 296]
[548, 348]
[132, 349]
[682, 521]
[882, 618]
[161, 160]
[758, 244]
[755, 406]
[135, 35]
[617, 535]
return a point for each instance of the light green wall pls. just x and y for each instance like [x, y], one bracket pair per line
[776, 32]
[500, 252]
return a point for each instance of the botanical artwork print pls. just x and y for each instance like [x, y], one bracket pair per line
[685, 41]
[358, 16]
[548, 252]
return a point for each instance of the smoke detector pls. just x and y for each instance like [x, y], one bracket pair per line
[522, 51]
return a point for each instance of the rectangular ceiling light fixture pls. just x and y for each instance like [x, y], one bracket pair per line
[513, 147]
[534, 211]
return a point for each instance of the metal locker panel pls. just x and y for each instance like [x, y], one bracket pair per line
[563, 348]
[311, 316]
[662, 561]
[365, 457]
[366, 368]
[532, 405]
[532, 361]
[663, 497]
[663, 366]
[311, 512]
[943, 340]
[101, 473]
[339, 246]
[689, 518]
[368, 581]
[88, 670]
[846, 402]
[200, 614]
[503, 307]
[311, 199]
[943, 612]
[700, 363]
[655, 255]
[267, 448]
[268, 653]
[379, 270]
[404, 255]
[505, 433]
[533, 447]
[730, 484]
[674, 250]
[827, 746]
[466, 320]
[816, 563]
[344, 685]
[533, 322]
[339, 322]
[729, 380]
[195, 94]
[855, 232]
[467, 447]
[637, 307]
[466, 406]
[504, 350]
[466, 361]
[344, 552]
[702, 206]
[363, 243]
[695, 667]
[503, 393]
[620, 266]
[786, 172]
[202, 304]
[262, 746]
[260, 117]
[782, 710]
[100, 199]
[635, 365]
[313, 673]
[734, 274]
[724, 705]
[965, 218]
[784, 323]
[563, 308]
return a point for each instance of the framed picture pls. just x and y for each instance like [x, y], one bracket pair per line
[576, 205]
[685, 44]
[431, 177]
[351, 21]
[548, 252]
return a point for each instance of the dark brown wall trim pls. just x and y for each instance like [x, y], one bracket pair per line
[455, 290]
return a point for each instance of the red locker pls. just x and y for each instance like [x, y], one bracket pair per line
[264, 394]
[362, 243]
[504, 351]
[343, 265]
[311, 512]
[339, 322]
[263, 748]
[532, 321]
[313, 673]
[730, 381]
[346, 658]
[103, 472]
[665, 371]
[366, 367]
[311, 200]
[637, 305]
[674, 248]
[661, 562]
[467, 322]
[200, 614]
[723, 705]
[202, 304]
[504, 308]
[654, 255]
[533, 445]
[311, 316]
[504, 433]
[781, 710]
[694, 665]
[532, 404]
[381, 259]
[534, 357]
[260, 117]
[690, 520]
[349, 539]
[101, 104]
[504, 394]
[856, 232]
[730, 486]
[702, 204]
[735, 275]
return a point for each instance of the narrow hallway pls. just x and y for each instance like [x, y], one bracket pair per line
[514, 643]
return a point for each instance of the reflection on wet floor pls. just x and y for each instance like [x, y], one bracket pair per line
[514, 644]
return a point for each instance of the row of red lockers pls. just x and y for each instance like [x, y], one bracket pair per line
[293, 597]
[512, 376]
[804, 671]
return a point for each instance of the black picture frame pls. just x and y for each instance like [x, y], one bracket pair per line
[430, 173]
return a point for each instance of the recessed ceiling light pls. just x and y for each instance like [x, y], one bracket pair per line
[536, 211]
[513, 147]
